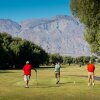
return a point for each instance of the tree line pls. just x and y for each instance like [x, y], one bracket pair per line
[81, 60]
[14, 52]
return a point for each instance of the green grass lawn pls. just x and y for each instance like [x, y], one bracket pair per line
[12, 85]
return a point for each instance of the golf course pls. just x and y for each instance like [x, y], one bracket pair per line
[73, 84]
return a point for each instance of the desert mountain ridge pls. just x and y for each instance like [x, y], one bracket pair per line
[61, 34]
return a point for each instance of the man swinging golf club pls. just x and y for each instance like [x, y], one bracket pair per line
[27, 73]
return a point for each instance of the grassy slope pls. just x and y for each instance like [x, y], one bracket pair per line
[12, 85]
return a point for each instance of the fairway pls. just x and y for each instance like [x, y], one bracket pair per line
[73, 85]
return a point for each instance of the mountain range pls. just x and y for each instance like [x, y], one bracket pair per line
[60, 34]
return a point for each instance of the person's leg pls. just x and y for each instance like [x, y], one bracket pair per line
[55, 75]
[58, 77]
[27, 83]
[26, 79]
[89, 78]
[93, 79]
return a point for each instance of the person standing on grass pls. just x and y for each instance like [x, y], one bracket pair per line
[57, 72]
[91, 69]
[27, 73]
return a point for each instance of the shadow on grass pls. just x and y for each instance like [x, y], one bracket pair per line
[39, 85]
[45, 86]
[96, 77]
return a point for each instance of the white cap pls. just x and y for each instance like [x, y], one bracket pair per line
[90, 61]
[27, 62]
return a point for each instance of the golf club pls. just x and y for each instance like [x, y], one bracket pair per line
[36, 79]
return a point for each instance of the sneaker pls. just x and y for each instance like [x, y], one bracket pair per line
[26, 87]
[57, 82]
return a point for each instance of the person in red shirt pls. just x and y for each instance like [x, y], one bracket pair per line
[27, 73]
[91, 69]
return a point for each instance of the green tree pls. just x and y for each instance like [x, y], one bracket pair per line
[80, 60]
[24, 50]
[67, 60]
[88, 11]
[86, 59]
[15, 52]
[53, 58]
[98, 60]
[5, 57]
[93, 59]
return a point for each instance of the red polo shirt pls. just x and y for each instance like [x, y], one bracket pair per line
[27, 69]
[90, 67]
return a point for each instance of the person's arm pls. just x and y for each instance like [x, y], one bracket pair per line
[35, 69]
[87, 67]
[94, 67]
[23, 68]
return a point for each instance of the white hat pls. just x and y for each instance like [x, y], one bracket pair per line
[27, 62]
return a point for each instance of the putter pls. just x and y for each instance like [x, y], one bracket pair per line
[36, 79]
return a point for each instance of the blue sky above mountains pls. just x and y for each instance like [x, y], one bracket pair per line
[19, 10]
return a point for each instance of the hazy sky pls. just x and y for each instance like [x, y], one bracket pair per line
[19, 10]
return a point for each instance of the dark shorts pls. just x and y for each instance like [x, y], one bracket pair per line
[57, 73]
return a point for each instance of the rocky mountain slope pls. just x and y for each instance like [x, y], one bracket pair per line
[61, 34]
